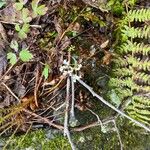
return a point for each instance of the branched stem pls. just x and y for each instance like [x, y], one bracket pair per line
[66, 130]
[110, 105]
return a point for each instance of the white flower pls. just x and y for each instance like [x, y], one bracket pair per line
[65, 62]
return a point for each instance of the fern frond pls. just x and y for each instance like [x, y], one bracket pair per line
[142, 77]
[127, 82]
[124, 93]
[125, 71]
[141, 118]
[135, 48]
[143, 112]
[143, 64]
[131, 78]
[140, 105]
[141, 99]
[142, 88]
[120, 62]
[138, 63]
[140, 15]
[136, 32]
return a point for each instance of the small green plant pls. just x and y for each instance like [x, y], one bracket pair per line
[19, 5]
[46, 71]
[12, 58]
[38, 9]
[24, 54]
[14, 45]
[26, 15]
[22, 31]
[23, 27]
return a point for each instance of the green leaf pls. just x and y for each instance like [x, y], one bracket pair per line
[18, 6]
[74, 33]
[41, 10]
[25, 28]
[34, 4]
[23, 31]
[46, 71]
[25, 15]
[25, 55]
[14, 45]
[12, 58]
[2, 4]
[38, 10]
[22, 35]
[17, 27]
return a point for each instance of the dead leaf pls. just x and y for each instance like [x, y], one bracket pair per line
[7, 100]
[107, 58]
[28, 101]
[9, 14]
[58, 28]
[19, 88]
[3, 33]
[99, 4]
[64, 43]
[3, 61]
[104, 45]
[75, 27]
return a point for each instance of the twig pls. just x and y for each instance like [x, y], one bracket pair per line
[98, 118]
[11, 92]
[7, 128]
[67, 107]
[72, 98]
[69, 27]
[66, 130]
[36, 86]
[60, 127]
[110, 105]
[94, 124]
[9, 69]
[45, 120]
[14, 23]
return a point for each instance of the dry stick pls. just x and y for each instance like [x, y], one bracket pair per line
[72, 98]
[98, 118]
[45, 120]
[60, 127]
[66, 130]
[94, 124]
[7, 128]
[7, 72]
[119, 137]
[67, 107]
[11, 92]
[14, 23]
[110, 105]
[36, 86]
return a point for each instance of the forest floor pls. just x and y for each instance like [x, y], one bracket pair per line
[46, 47]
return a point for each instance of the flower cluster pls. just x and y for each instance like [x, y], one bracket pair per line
[70, 69]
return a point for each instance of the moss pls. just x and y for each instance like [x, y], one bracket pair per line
[39, 140]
